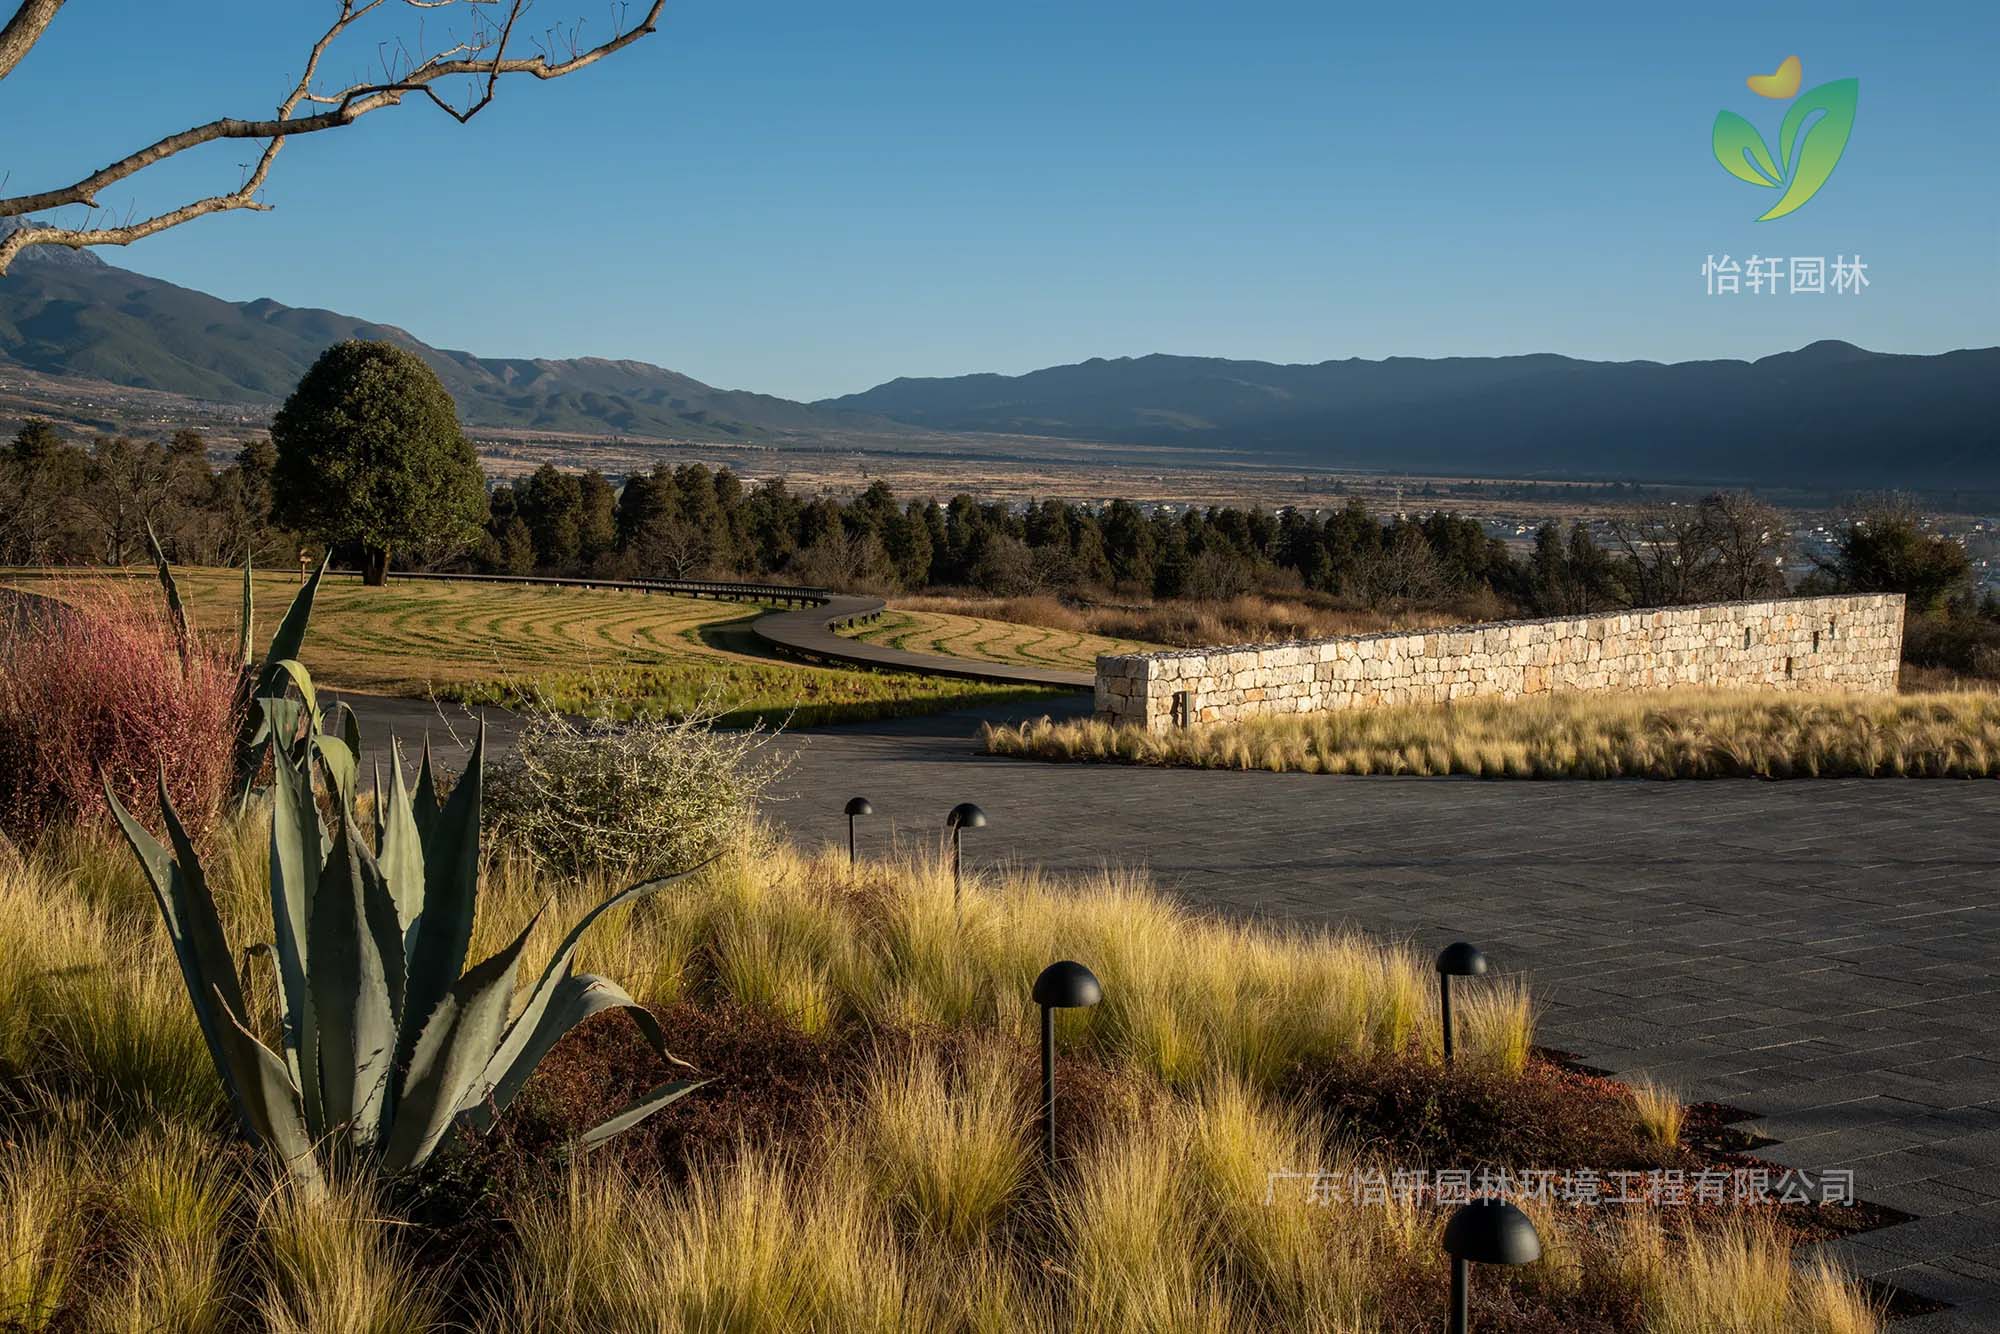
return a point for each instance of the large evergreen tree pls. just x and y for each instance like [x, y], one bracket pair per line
[370, 453]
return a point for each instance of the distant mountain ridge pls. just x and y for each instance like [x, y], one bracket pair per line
[1830, 412]
[70, 313]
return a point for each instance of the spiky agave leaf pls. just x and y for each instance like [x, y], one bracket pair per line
[356, 981]
[298, 859]
[176, 609]
[560, 1001]
[451, 1051]
[243, 625]
[260, 1088]
[267, 680]
[443, 931]
[195, 930]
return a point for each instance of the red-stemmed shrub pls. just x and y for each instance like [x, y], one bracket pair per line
[95, 686]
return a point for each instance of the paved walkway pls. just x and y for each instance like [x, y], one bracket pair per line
[809, 634]
[1822, 953]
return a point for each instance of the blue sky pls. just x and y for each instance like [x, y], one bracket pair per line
[807, 199]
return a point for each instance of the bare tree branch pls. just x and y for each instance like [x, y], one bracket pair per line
[24, 30]
[343, 106]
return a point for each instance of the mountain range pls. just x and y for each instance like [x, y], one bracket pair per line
[1829, 414]
[70, 313]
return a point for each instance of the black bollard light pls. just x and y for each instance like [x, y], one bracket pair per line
[1455, 960]
[1062, 986]
[855, 806]
[1485, 1232]
[965, 815]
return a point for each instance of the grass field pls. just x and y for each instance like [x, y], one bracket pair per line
[577, 648]
[1675, 734]
[921, 630]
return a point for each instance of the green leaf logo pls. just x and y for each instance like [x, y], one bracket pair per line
[1810, 142]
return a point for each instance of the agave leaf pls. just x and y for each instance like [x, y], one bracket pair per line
[270, 1098]
[1820, 147]
[285, 646]
[243, 631]
[357, 983]
[635, 1112]
[541, 1021]
[455, 1046]
[402, 849]
[298, 856]
[375, 810]
[574, 999]
[200, 947]
[1737, 146]
[341, 766]
[291, 636]
[176, 609]
[426, 799]
[294, 671]
[451, 895]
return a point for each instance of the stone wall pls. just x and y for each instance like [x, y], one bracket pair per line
[1829, 643]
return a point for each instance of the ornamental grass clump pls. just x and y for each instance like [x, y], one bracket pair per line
[637, 798]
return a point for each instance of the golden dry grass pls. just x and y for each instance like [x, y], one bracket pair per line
[919, 1205]
[1671, 734]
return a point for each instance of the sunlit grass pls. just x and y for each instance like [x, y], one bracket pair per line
[1675, 734]
[919, 1200]
[579, 650]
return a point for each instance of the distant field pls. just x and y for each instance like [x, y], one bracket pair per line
[923, 631]
[575, 647]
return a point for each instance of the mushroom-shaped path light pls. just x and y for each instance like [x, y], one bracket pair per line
[1457, 959]
[965, 815]
[1062, 986]
[1485, 1232]
[855, 806]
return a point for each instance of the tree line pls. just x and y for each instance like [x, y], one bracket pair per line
[66, 503]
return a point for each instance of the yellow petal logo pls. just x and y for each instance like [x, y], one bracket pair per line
[1781, 85]
[1811, 138]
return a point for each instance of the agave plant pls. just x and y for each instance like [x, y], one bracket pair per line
[388, 1050]
[260, 682]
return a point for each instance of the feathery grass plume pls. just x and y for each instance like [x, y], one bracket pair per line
[750, 1245]
[331, 1265]
[1736, 1278]
[44, 1185]
[1496, 1023]
[1670, 734]
[945, 1150]
[90, 1007]
[1136, 1251]
[1297, 1262]
[173, 1207]
[1659, 1112]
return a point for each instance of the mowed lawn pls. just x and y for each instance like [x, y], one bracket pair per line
[576, 648]
[991, 641]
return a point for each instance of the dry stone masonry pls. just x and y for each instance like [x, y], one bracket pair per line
[1826, 643]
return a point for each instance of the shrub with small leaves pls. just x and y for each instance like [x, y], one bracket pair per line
[634, 799]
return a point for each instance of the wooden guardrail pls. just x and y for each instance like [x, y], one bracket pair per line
[722, 590]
